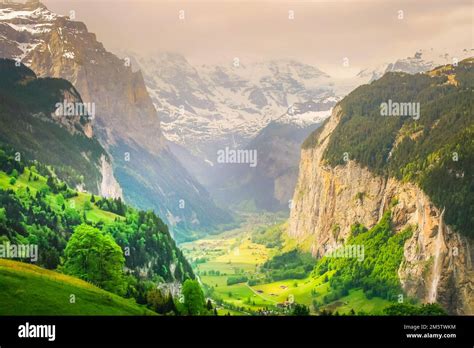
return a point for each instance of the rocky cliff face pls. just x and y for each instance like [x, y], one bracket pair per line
[124, 108]
[56, 46]
[437, 262]
[109, 187]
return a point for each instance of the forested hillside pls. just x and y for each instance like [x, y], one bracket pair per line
[435, 150]
[27, 106]
[100, 240]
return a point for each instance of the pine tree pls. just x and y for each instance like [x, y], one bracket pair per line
[209, 305]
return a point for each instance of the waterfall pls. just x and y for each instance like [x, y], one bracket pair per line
[436, 275]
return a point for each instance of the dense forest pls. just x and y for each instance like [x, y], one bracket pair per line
[293, 264]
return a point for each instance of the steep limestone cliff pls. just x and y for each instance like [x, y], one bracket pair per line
[437, 262]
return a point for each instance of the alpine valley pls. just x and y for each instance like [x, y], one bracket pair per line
[153, 185]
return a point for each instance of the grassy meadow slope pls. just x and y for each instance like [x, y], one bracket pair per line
[30, 290]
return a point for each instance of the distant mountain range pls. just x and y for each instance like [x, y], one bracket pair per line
[204, 109]
[423, 60]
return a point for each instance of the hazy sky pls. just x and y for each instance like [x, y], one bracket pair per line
[322, 33]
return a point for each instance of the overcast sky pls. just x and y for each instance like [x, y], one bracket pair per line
[322, 33]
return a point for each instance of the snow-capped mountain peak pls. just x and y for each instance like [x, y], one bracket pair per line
[204, 106]
[421, 61]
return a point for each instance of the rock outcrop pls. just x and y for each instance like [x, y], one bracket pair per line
[109, 187]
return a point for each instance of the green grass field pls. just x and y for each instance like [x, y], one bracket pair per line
[30, 290]
[230, 254]
[233, 253]
[357, 301]
[300, 290]
[242, 295]
[94, 215]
